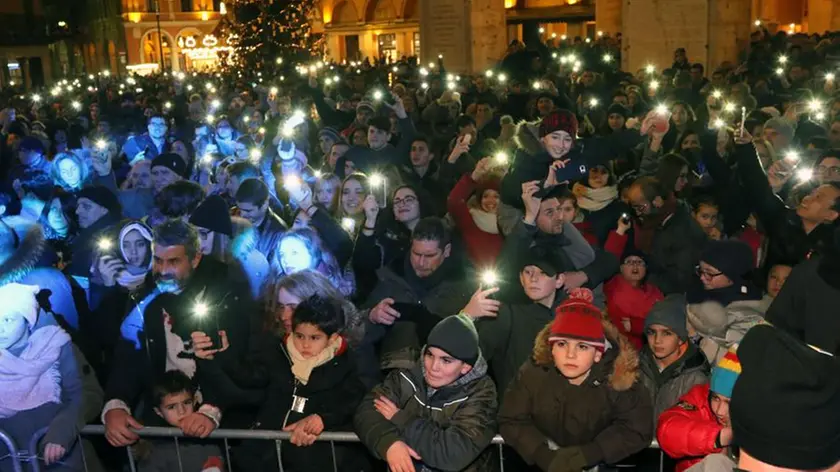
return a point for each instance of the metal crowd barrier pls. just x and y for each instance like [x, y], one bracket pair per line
[29, 456]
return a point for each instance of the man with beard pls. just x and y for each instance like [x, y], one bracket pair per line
[184, 296]
[149, 145]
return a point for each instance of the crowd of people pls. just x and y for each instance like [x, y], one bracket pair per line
[575, 257]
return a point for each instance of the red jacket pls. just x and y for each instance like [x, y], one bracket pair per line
[588, 232]
[627, 301]
[687, 431]
[483, 248]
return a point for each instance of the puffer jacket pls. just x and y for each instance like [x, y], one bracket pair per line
[688, 430]
[450, 428]
[722, 326]
[674, 381]
[604, 420]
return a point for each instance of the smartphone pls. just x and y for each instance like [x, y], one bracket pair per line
[422, 318]
[625, 218]
[571, 172]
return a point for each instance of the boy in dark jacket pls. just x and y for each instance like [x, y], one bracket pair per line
[313, 387]
[578, 402]
[439, 415]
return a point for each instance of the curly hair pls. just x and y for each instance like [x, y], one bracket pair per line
[322, 260]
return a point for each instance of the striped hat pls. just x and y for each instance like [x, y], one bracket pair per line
[725, 374]
[577, 318]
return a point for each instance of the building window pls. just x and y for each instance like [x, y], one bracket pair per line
[151, 6]
[186, 5]
[417, 44]
[388, 45]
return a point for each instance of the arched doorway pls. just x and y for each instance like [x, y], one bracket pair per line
[150, 49]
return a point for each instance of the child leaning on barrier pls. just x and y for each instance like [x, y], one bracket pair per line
[312, 387]
[175, 398]
[40, 387]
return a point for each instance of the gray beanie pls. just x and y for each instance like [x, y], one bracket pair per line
[456, 336]
[781, 125]
[669, 312]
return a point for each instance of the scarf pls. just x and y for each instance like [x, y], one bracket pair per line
[302, 367]
[32, 378]
[130, 281]
[595, 199]
[486, 222]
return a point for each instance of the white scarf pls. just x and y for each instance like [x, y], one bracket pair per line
[486, 222]
[302, 367]
[597, 198]
[32, 378]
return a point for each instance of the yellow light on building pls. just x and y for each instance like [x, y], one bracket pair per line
[205, 16]
[135, 17]
[327, 15]
[222, 8]
[510, 3]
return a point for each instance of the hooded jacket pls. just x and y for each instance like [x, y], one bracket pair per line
[688, 430]
[667, 386]
[450, 427]
[721, 327]
[626, 301]
[604, 420]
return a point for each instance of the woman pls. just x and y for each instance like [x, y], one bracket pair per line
[354, 188]
[476, 217]
[326, 192]
[58, 219]
[225, 137]
[302, 249]
[577, 404]
[69, 172]
[630, 297]
[673, 174]
[597, 198]
[384, 240]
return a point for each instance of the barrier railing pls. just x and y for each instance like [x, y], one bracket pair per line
[29, 456]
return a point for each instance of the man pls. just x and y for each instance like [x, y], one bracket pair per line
[698, 425]
[149, 145]
[380, 154]
[413, 295]
[779, 132]
[507, 339]
[794, 233]
[667, 233]
[34, 189]
[439, 414]
[698, 79]
[785, 408]
[545, 225]
[185, 295]
[97, 209]
[252, 199]
[31, 154]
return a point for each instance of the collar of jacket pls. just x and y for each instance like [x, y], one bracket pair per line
[455, 392]
[619, 366]
[447, 270]
[692, 359]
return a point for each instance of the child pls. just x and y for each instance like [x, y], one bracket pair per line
[578, 402]
[705, 212]
[313, 387]
[670, 364]
[630, 297]
[39, 381]
[699, 424]
[174, 399]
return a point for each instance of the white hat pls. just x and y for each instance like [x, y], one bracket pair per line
[19, 298]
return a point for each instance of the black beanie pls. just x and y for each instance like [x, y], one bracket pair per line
[619, 109]
[785, 408]
[732, 257]
[103, 197]
[456, 336]
[171, 161]
[213, 214]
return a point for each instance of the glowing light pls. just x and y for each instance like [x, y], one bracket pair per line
[654, 84]
[318, 174]
[501, 78]
[489, 277]
[424, 85]
[729, 107]
[189, 87]
[792, 156]
[246, 119]
[210, 118]
[90, 77]
[279, 60]
[76, 105]
[273, 90]
[424, 72]
[717, 94]
[488, 73]
[820, 116]
[536, 85]
[208, 86]
[783, 59]
[814, 105]
[593, 102]
[588, 40]
[661, 109]
[780, 71]
[501, 157]
[553, 35]
[804, 174]
[829, 76]
[36, 98]
[377, 95]
[105, 244]
[607, 58]
[348, 223]
[216, 103]
[757, 22]
[542, 30]
[440, 56]
[718, 123]
[201, 309]
[650, 69]
[292, 183]
[376, 180]
[101, 144]
[106, 73]
[450, 85]
[600, 34]
[395, 69]
[563, 37]
[255, 155]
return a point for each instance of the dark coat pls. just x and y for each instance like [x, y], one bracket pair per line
[268, 234]
[450, 427]
[675, 252]
[135, 370]
[606, 419]
[676, 380]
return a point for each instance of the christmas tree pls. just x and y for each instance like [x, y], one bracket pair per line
[271, 34]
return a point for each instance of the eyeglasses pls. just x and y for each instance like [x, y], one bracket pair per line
[830, 171]
[705, 273]
[405, 201]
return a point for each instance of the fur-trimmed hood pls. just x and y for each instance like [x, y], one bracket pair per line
[22, 245]
[619, 364]
[527, 137]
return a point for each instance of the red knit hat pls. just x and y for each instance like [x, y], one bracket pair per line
[577, 318]
[559, 120]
